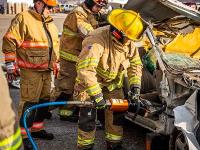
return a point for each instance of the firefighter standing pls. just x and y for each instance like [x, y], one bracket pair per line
[31, 43]
[77, 25]
[107, 53]
[8, 120]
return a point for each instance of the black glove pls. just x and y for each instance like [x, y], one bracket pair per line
[134, 93]
[133, 97]
[99, 101]
[135, 104]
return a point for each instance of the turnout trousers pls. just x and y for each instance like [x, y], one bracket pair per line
[35, 88]
[64, 86]
[87, 117]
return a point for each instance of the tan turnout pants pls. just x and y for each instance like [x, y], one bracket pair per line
[35, 88]
[86, 125]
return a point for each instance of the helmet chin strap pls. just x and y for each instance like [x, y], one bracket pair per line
[42, 13]
[118, 35]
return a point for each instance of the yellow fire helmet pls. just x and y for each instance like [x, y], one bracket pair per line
[51, 2]
[127, 21]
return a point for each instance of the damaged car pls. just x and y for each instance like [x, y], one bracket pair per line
[171, 74]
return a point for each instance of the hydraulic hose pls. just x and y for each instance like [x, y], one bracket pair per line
[84, 103]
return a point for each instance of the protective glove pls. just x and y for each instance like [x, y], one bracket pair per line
[56, 69]
[133, 97]
[135, 104]
[134, 93]
[99, 101]
[12, 71]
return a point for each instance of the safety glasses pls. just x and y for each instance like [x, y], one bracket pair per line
[99, 6]
[49, 7]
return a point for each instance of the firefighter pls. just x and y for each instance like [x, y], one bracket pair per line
[77, 25]
[106, 55]
[31, 43]
[10, 136]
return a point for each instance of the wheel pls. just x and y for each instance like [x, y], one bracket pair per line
[178, 141]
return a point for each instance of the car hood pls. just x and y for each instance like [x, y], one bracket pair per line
[158, 10]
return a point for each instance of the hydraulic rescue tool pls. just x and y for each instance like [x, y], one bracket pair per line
[133, 104]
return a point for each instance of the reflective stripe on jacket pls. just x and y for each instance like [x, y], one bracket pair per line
[103, 61]
[78, 24]
[68, 57]
[26, 41]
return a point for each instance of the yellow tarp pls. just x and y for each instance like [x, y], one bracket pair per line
[186, 44]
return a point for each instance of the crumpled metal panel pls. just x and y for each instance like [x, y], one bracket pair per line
[122, 2]
[158, 10]
[186, 120]
[150, 9]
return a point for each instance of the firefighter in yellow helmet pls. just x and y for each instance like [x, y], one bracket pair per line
[78, 24]
[31, 43]
[107, 53]
[10, 135]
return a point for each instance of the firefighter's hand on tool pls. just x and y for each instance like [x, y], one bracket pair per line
[12, 71]
[133, 97]
[56, 68]
[134, 93]
[99, 101]
[136, 105]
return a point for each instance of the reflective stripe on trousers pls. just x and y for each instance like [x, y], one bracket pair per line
[38, 125]
[84, 142]
[65, 112]
[112, 137]
[13, 142]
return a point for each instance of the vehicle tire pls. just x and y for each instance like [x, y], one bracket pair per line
[198, 135]
[160, 143]
[177, 141]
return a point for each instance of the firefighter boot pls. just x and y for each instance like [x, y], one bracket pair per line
[48, 115]
[65, 113]
[73, 117]
[42, 135]
[114, 146]
[27, 144]
[89, 147]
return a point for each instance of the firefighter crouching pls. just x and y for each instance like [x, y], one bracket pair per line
[107, 53]
[10, 135]
[31, 43]
[77, 25]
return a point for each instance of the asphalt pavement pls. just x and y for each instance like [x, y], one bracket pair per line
[66, 133]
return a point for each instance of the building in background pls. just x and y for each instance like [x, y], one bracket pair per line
[73, 2]
[15, 6]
